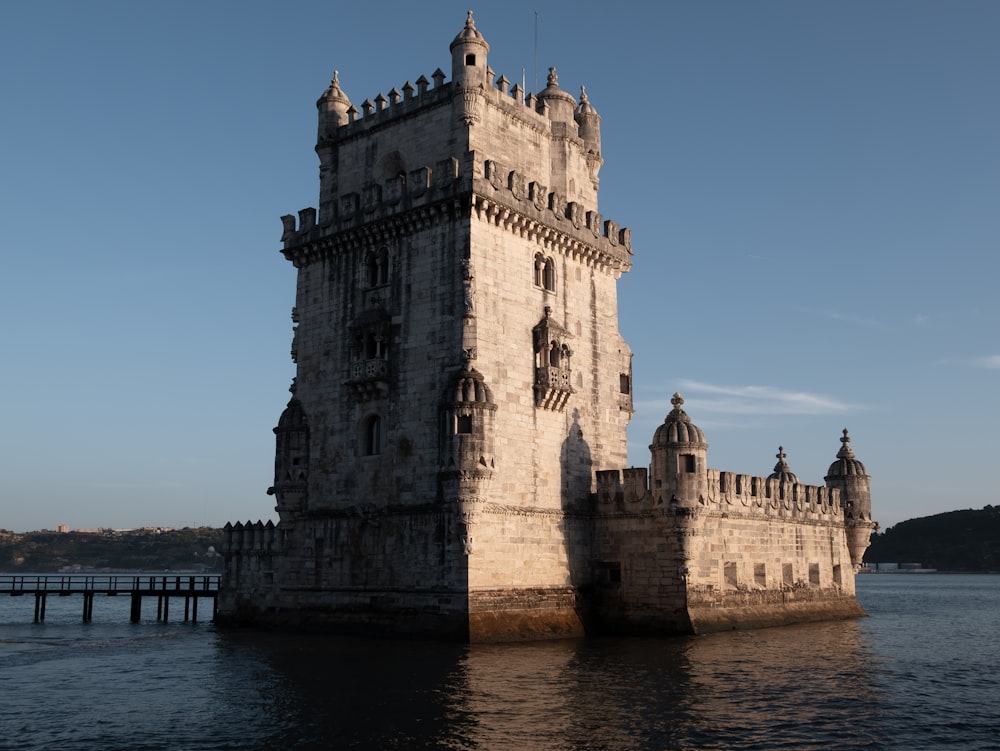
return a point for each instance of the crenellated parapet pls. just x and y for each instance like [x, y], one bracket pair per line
[628, 491]
[773, 497]
[503, 197]
[522, 204]
[252, 538]
[415, 198]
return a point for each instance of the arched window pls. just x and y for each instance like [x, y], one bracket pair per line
[377, 267]
[549, 275]
[373, 436]
[539, 269]
[375, 348]
[554, 354]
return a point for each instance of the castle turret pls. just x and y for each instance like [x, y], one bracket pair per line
[291, 460]
[560, 104]
[590, 131]
[849, 476]
[334, 108]
[467, 460]
[468, 57]
[590, 124]
[678, 470]
[781, 470]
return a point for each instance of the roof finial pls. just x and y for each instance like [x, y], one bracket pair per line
[677, 414]
[553, 79]
[469, 23]
[781, 470]
[846, 452]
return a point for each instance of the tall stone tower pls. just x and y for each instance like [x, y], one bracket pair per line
[460, 374]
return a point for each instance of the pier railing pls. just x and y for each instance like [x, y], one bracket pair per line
[192, 587]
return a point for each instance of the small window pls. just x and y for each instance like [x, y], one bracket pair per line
[625, 383]
[375, 348]
[545, 273]
[689, 462]
[463, 424]
[377, 267]
[549, 275]
[373, 436]
[760, 574]
[786, 575]
[470, 59]
[729, 574]
[814, 574]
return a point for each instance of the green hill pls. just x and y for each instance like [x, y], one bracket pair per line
[953, 541]
[138, 550]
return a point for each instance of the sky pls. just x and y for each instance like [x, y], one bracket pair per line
[813, 190]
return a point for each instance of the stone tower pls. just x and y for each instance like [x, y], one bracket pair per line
[849, 475]
[452, 460]
[460, 375]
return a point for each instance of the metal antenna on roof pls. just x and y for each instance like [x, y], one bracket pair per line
[536, 51]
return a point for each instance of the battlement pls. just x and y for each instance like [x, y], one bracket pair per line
[503, 196]
[248, 538]
[383, 109]
[628, 491]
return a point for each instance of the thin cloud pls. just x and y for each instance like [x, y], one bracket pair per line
[990, 361]
[760, 400]
[837, 315]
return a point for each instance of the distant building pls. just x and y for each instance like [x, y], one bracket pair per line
[452, 460]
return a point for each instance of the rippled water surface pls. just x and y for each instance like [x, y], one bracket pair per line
[921, 672]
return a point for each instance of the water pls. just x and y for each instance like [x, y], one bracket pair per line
[920, 673]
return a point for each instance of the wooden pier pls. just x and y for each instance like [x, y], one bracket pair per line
[137, 586]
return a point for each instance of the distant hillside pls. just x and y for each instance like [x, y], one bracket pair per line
[954, 541]
[140, 550]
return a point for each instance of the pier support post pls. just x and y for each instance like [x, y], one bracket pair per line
[88, 606]
[136, 613]
[39, 607]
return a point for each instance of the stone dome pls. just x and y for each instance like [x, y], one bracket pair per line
[781, 470]
[469, 35]
[677, 428]
[469, 387]
[293, 418]
[585, 107]
[846, 465]
[334, 99]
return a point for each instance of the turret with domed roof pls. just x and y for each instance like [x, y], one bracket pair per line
[678, 469]
[848, 475]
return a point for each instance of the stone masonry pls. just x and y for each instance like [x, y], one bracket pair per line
[449, 463]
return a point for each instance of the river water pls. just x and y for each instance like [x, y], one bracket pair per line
[921, 672]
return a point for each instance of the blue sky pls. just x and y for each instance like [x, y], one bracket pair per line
[813, 190]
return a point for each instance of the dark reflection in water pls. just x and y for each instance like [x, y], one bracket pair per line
[920, 674]
[801, 687]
